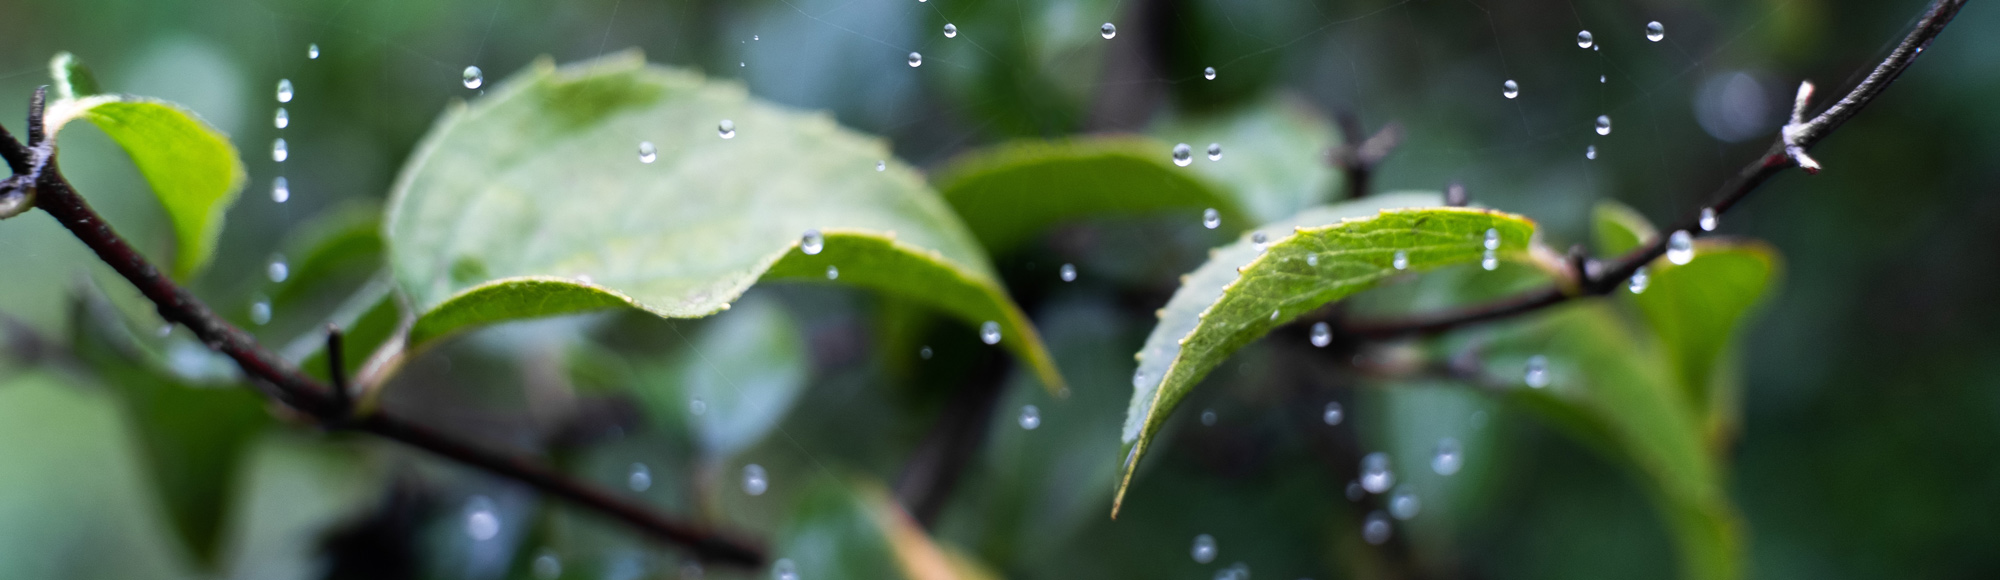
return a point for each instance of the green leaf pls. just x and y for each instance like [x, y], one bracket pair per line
[1010, 193]
[1319, 256]
[1272, 154]
[746, 368]
[1694, 309]
[192, 168]
[533, 201]
[852, 530]
[1619, 228]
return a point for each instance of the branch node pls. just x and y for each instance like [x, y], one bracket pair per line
[1794, 132]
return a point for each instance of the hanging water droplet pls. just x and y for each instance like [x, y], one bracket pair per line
[1404, 504]
[882, 165]
[648, 153]
[1510, 89]
[1208, 417]
[727, 129]
[1448, 457]
[1590, 152]
[1211, 219]
[260, 311]
[1604, 124]
[1208, 73]
[1708, 219]
[1376, 529]
[279, 152]
[1492, 238]
[1536, 375]
[697, 406]
[1639, 281]
[1257, 239]
[282, 119]
[284, 90]
[547, 567]
[754, 480]
[1375, 474]
[473, 77]
[1204, 545]
[1183, 155]
[784, 569]
[1067, 272]
[278, 271]
[832, 273]
[1491, 261]
[1583, 39]
[1333, 413]
[639, 478]
[1139, 379]
[1107, 31]
[1656, 31]
[916, 60]
[281, 190]
[312, 51]
[1214, 151]
[1680, 247]
[950, 31]
[989, 332]
[482, 519]
[1031, 417]
[1322, 335]
[1401, 261]
[924, 353]
[812, 243]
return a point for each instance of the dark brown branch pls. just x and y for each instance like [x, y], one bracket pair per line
[336, 370]
[281, 381]
[1357, 157]
[1789, 151]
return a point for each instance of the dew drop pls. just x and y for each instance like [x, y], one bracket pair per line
[260, 311]
[989, 332]
[1448, 457]
[1401, 261]
[1067, 272]
[1107, 31]
[278, 271]
[281, 190]
[1404, 504]
[1604, 124]
[1312, 260]
[1375, 474]
[950, 30]
[1376, 529]
[1680, 247]
[1214, 151]
[812, 243]
[1491, 261]
[482, 519]
[648, 153]
[285, 90]
[547, 566]
[639, 478]
[727, 129]
[282, 119]
[473, 77]
[1139, 379]
[1492, 238]
[1031, 417]
[1183, 155]
[1204, 545]
[1208, 73]
[1208, 417]
[697, 406]
[1510, 89]
[832, 273]
[1601, 79]
[1656, 31]
[1333, 414]
[312, 51]
[1274, 316]
[1584, 40]
[924, 353]
[1708, 219]
[916, 60]
[882, 165]
[1536, 375]
[1639, 281]
[1590, 152]
[756, 37]
[280, 152]
[1322, 335]
[1211, 219]
[1258, 239]
[784, 569]
[754, 480]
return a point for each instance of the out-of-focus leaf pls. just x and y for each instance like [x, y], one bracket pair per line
[1695, 309]
[1618, 228]
[1319, 256]
[1010, 193]
[535, 201]
[336, 249]
[852, 530]
[745, 369]
[1272, 154]
[191, 166]
[1024, 67]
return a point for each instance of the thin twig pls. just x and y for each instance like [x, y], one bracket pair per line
[1789, 151]
[336, 370]
[283, 382]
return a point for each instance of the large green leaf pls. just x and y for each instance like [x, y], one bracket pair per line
[1695, 308]
[1319, 256]
[534, 201]
[842, 530]
[191, 166]
[1273, 154]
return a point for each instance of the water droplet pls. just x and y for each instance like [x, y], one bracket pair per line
[1680, 247]
[1274, 316]
[916, 60]
[727, 129]
[1107, 31]
[832, 273]
[282, 119]
[754, 480]
[547, 567]
[1491, 261]
[1375, 474]
[1404, 504]
[639, 478]
[1208, 73]
[1656, 31]
[1211, 219]
[989, 332]
[1376, 529]
[1536, 375]
[473, 77]
[882, 165]
[950, 31]
[1584, 40]
[1448, 457]
[1401, 261]
[482, 519]
[756, 37]
[1258, 239]
[278, 271]
[1312, 259]
[1604, 124]
[924, 353]
[647, 152]
[1183, 155]
[1354, 491]
[1031, 417]
[812, 243]
[1639, 281]
[1492, 238]
[285, 90]
[784, 569]
[1510, 89]
[1708, 219]
[281, 190]
[280, 152]
[1208, 417]
[697, 406]
[1590, 152]
[1601, 79]
[1214, 151]
[312, 51]
[1322, 335]
[1204, 545]
[1139, 379]
[1333, 414]
[260, 311]
[1067, 272]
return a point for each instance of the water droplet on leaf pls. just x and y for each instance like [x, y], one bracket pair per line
[812, 243]
[278, 271]
[1680, 247]
[832, 273]
[1183, 155]
[1492, 238]
[1491, 261]
[312, 51]
[1401, 261]
[1639, 281]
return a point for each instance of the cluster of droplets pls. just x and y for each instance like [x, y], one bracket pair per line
[1491, 260]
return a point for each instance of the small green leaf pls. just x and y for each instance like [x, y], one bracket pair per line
[1273, 154]
[534, 201]
[852, 530]
[1619, 228]
[746, 368]
[1010, 193]
[1319, 256]
[1695, 309]
[193, 169]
